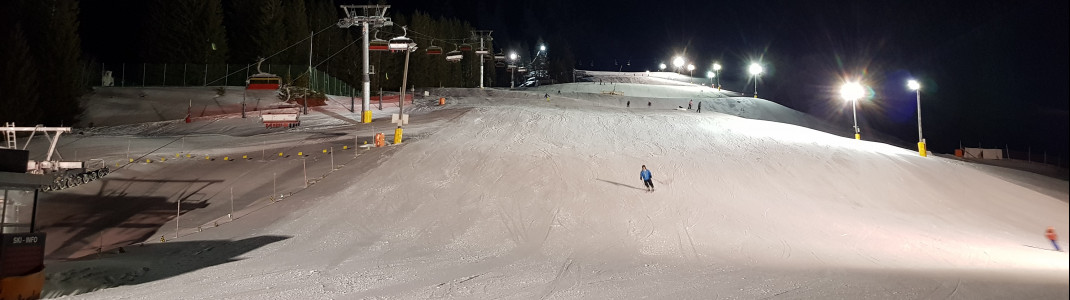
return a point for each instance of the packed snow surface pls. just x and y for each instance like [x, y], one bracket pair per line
[503, 194]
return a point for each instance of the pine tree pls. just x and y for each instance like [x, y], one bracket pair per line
[296, 26]
[268, 35]
[215, 33]
[240, 22]
[59, 60]
[18, 78]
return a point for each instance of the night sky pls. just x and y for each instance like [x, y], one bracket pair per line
[994, 73]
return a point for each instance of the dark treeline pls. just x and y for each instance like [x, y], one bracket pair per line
[41, 62]
[45, 67]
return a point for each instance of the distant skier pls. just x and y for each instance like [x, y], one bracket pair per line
[647, 179]
[629, 104]
[689, 102]
[648, 104]
[699, 107]
[1050, 234]
[547, 97]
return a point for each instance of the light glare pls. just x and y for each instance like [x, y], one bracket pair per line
[716, 66]
[852, 91]
[710, 74]
[755, 69]
[690, 67]
[678, 61]
[913, 85]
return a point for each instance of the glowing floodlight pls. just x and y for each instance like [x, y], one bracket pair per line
[716, 66]
[662, 66]
[678, 61]
[852, 91]
[913, 85]
[756, 69]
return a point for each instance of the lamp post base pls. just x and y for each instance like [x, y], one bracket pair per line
[921, 149]
[858, 136]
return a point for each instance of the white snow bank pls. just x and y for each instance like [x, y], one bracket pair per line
[527, 198]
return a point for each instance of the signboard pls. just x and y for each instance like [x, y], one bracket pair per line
[22, 253]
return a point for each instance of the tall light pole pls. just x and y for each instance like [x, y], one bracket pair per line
[852, 91]
[710, 75]
[512, 70]
[717, 69]
[677, 62]
[914, 85]
[755, 70]
[691, 71]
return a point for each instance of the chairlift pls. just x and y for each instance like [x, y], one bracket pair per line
[400, 43]
[454, 56]
[465, 47]
[377, 44]
[434, 50]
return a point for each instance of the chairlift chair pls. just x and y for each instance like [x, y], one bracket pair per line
[377, 44]
[454, 56]
[400, 43]
[434, 50]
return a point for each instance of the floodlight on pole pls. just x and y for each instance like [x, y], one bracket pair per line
[717, 69]
[662, 67]
[755, 70]
[852, 91]
[542, 47]
[916, 87]
[678, 62]
[710, 75]
[691, 70]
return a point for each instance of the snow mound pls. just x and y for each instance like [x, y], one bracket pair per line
[520, 197]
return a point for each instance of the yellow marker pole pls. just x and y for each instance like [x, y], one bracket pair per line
[226, 158]
[397, 135]
[324, 150]
[300, 154]
[244, 157]
[367, 118]
[921, 149]
[280, 154]
[858, 136]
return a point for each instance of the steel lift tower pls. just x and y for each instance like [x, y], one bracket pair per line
[364, 16]
[483, 36]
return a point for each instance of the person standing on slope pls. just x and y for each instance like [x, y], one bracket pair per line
[699, 107]
[689, 102]
[647, 178]
[1050, 234]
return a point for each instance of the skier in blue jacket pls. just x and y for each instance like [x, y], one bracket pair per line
[646, 177]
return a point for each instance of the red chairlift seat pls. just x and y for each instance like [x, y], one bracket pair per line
[434, 50]
[378, 45]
